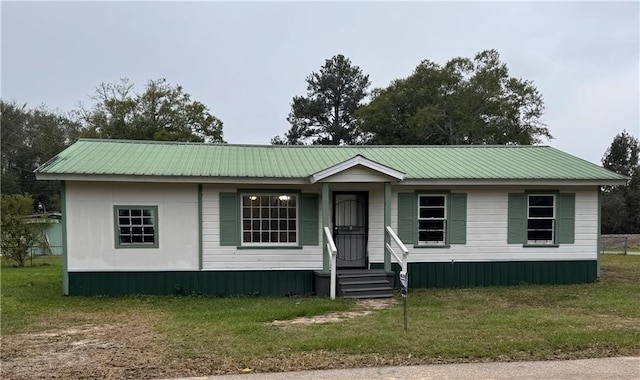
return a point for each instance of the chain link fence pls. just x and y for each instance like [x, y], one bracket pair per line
[614, 244]
[619, 244]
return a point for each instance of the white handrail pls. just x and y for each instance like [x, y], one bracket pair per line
[395, 237]
[398, 259]
[333, 252]
[405, 252]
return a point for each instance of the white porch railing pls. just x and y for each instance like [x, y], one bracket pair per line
[405, 252]
[333, 252]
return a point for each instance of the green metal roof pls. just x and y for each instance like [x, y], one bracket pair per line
[475, 162]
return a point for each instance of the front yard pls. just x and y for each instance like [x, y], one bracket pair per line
[47, 335]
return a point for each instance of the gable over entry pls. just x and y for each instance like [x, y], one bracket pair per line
[358, 169]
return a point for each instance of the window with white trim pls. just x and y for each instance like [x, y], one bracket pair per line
[432, 219]
[541, 219]
[136, 226]
[269, 219]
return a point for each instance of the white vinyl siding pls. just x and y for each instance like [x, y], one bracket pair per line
[487, 228]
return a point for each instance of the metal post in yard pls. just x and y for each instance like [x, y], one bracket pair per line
[404, 285]
[625, 244]
[404, 307]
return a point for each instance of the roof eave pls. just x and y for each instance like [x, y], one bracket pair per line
[305, 180]
[513, 182]
[166, 179]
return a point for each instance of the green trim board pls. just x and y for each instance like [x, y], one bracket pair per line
[598, 233]
[387, 222]
[326, 199]
[200, 231]
[65, 255]
[214, 283]
[460, 274]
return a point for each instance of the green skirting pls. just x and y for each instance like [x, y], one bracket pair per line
[283, 283]
[218, 283]
[470, 274]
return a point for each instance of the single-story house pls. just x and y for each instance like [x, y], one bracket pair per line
[164, 217]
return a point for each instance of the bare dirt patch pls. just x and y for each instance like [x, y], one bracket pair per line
[127, 346]
[363, 307]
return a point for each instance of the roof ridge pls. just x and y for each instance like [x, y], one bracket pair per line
[158, 142]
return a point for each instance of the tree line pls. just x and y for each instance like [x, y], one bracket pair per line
[621, 204]
[464, 101]
[30, 137]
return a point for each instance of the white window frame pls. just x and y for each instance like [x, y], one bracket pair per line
[552, 218]
[443, 219]
[281, 197]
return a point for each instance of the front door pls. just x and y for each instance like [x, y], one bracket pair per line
[350, 229]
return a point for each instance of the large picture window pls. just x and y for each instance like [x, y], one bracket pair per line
[432, 219]
[541, 219]
[269, 219]
[136, 226]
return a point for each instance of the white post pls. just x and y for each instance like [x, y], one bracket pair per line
[333, 252]
[333, 276]
[404, 261]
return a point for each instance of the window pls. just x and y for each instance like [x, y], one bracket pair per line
[432, 220]
[541, 219]
[136, 226]
[269, 219]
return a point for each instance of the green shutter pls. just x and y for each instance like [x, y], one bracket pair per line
[566, 218]
[229, 214]
[516, 218]
[310, 219]
[458, 219]
[407, 218]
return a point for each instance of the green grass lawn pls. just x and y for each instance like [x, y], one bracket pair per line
[445, 325]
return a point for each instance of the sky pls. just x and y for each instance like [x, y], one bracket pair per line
[247, 60]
